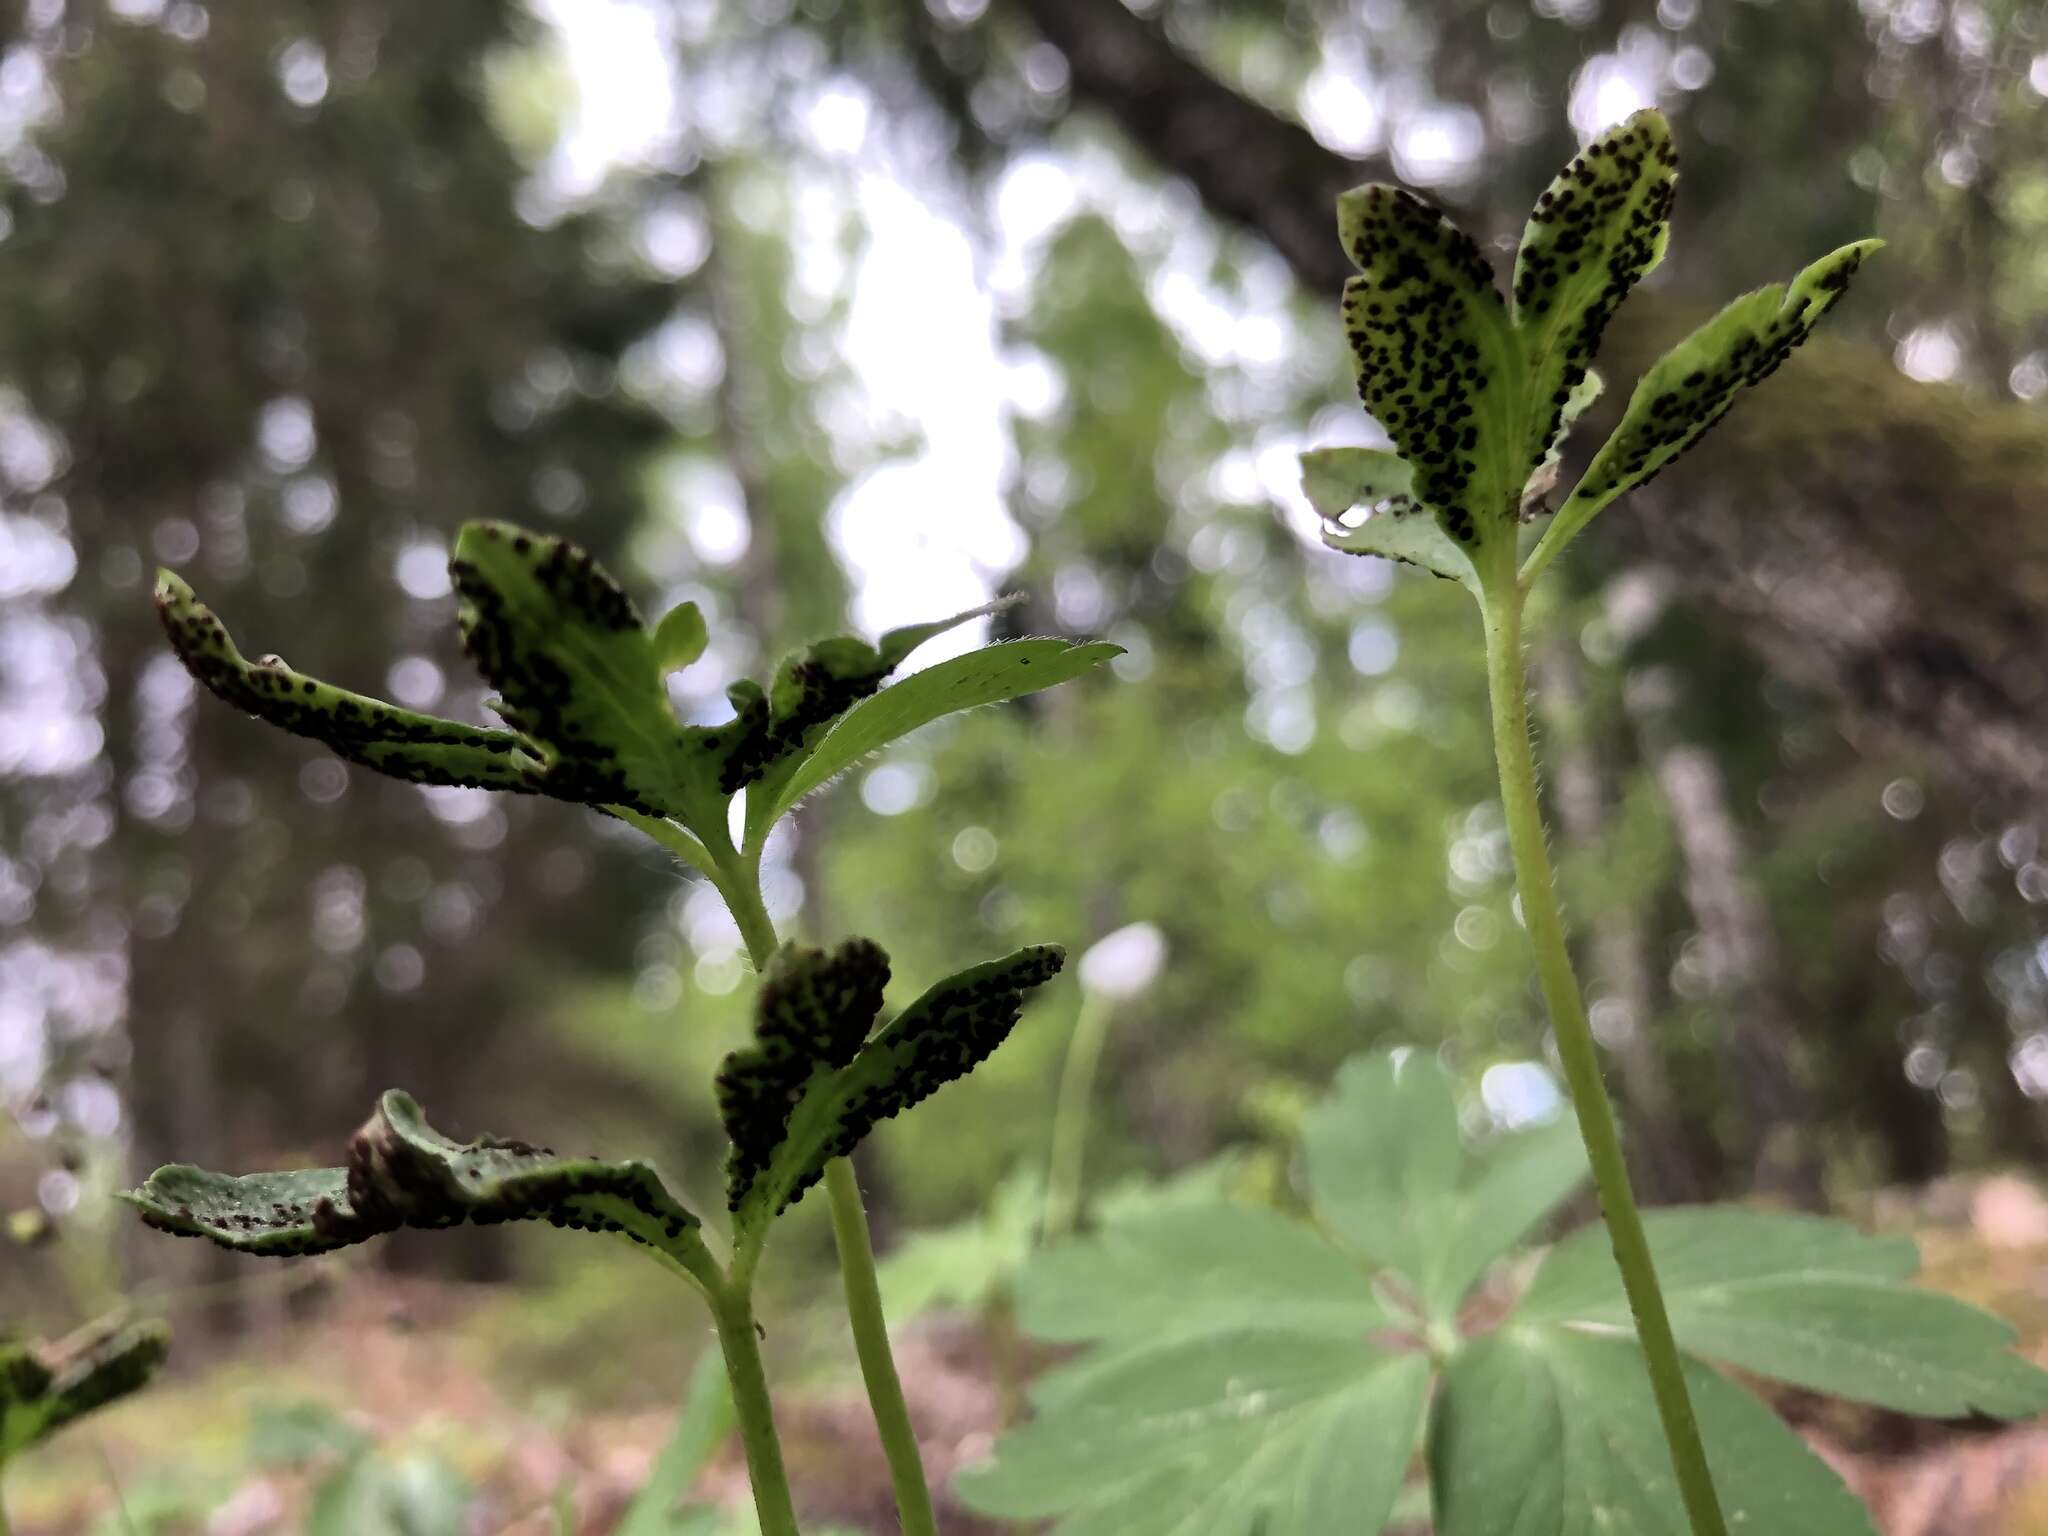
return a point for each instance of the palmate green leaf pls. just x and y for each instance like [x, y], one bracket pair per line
[1806, 1301]
[1390, 1172]
[1695, 384]
[944, 1035]
[1438, 363]
[403, 1173]
[1196, 1270]
[1552, 1432]
[1252, 1433]
[1597, 229]
[44, 1387]
[991, 675]
[970, 1262]
[422, 749]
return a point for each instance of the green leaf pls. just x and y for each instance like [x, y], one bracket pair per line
[1695, 384]
[811, 1017]
[1600, 226]
[944, 1035]
[1396, 526]
[577, 675]
[1438, 363]
[403, 1173]
[1258, 1433]
[422, 749]
[1549, 1432]
[991, 675]
[679, 638]
[1543, 479]
[702, 1426]
[1337, 479]
[1802, 1300]
[1196, 1270]
[44, 1387]
[1390, 1172]
[813, 688]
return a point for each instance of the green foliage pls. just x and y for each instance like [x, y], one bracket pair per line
[1262, 1374]
[44, 1387]
[1477, 393]
[403, 1173]
[971, 1262]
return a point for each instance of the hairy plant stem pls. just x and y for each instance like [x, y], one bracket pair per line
[1070, 1118]
[739, 880]
[871, 1343]
[1502, 606]
[732, 1311]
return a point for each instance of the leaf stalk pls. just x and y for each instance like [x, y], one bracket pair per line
[1502, 599]
[739, 881]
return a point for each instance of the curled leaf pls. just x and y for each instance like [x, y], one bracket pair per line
[1007, 670]
[403, 1173]
[44, 1387]
[944, 1035]
[575, 672]
[422, 749]
[813, 688]
[812, 1014]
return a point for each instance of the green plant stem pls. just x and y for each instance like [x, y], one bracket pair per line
[871, 1343]
[732, 1311]
[739, 880]
[1506, 682]
[1070, 1117]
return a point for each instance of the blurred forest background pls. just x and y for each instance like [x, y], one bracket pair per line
[831, 313]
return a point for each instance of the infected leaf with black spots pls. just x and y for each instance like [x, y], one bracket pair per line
[576, 674]
[813, 688]
[1598, 228]
[422, 749]
[942, 1036]
[44, 1387]
[403, 1173]
[1438, 363]
[811, 1017]
[1694, 385]
[1394, 526]
[992, 675]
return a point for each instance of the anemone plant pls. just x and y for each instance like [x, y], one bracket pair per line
[1476, 391]
[581, 690]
